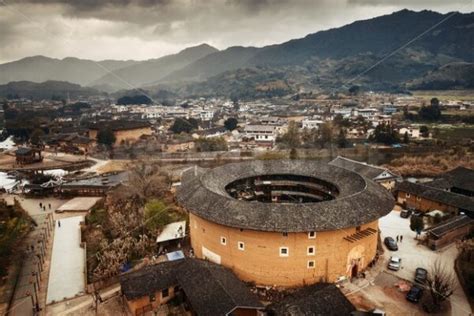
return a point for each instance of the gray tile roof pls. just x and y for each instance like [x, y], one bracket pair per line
[211, 289]
[359, 201]
[361, 168]
[450, 225]
[439, 195]
[316, 300]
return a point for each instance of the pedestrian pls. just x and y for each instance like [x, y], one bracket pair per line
[41, 204]
[397, 238]
[44, 208]
[59, 223]
[401, 238]
[49, 204]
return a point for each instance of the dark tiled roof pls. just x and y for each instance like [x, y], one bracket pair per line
[359, 201]
[450, 225]
[461, 177]
[319, 299]
[438, 195]
[23, 151]
[147, 281]
[210, 288]
[361, 168]
[213, 289]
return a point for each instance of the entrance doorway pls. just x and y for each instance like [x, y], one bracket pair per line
[354, 271]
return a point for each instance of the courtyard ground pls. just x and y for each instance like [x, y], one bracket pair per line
[385, 289]
[67, 274]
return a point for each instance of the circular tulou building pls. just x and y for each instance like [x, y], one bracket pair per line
[284, 222]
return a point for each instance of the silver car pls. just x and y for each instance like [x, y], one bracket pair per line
[394, 263]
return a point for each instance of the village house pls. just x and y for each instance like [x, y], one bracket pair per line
[28, 155]
[448, 231]
[311, 123]
[380, 175]
[264, 134]
[202, 287]
[452, 192]
[426, 198]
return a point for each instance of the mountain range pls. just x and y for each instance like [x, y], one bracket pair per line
[411, 45]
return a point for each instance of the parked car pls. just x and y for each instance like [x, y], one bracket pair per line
[421, 275]
[394, 263]
[390, 243]
[405, 213]
[415, 294]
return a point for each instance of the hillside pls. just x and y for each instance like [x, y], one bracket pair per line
[333, 57]
[45, 90]
[451, 76]
[74, 70]
[149, 71]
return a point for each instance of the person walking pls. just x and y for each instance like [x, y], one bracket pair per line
[49, 204]
[401, 238]
[397, 238]
[59, 223]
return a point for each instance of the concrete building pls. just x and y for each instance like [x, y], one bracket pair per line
[261, 133]
[284, 223]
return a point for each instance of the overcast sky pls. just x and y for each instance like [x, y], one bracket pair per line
[143, 29]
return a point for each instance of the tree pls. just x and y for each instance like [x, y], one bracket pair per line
[182, 126]
[417, 224]
[291, 138]
[325, 134]
[156, 215]
[425, 132]
[35, 137]
[384, 133]
[431, 112]
[293, 153]
[106, 137]
[231, 123]
[341, 138]
[406, 139]
[441, 283]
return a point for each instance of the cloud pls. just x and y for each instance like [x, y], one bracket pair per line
[141, 29]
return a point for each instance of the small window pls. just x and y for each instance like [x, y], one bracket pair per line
[152, 298]
[311, 264]
[408, 195]
[241, 245]
[311, 250]
[165, 293]
[284, 252]
[418, 198]
[223, 241]
[285, 234]
[312, 235]
[357, 229]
